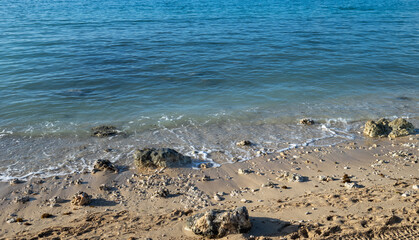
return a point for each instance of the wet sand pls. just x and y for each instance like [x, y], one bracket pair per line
[298, 193]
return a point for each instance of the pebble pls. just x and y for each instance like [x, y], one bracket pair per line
[416, 187]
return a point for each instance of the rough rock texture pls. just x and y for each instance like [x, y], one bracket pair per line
[160, 157]
[400, 127]
[306, 121]
[81, 199]
[104, 165]
[104, 131]
[396, 128]
[219, 223]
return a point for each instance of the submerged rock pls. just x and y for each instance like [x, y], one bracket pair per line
[306, 121]
[104, 131]
[160, 157]
[81, 199]
[219, 223]
[383, 127]
[104, 165]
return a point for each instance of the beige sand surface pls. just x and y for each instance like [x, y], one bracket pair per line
[383, 203]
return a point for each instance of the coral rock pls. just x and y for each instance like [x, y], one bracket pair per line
[81, 199]
[104, 165]
[219, 223]
[161, 157]
[104, 131]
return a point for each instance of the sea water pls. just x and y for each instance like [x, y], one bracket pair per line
[197, 76]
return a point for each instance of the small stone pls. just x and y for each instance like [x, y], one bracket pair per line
[350, 185]
[11, 220]
[21, 199]
[306, 121]
[416, 187]
[205, 178]
[15, 181]
[81, 199]
[406, 194]
[46, 215]
[217, 198]
[244, 143]
[162, 193]
[243, 171]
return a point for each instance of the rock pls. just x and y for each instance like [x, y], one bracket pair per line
[269, 185]
[15, 181]
[306, 121]
[104, 165]
[416, 187]
[53, 202]
[21, 199]
[217, 198]
[377, 129]
[104, 131]
[244, 143]
[219, 223]
[104, 187]
[205, 178]
[243, 171]
[350, 185]
[393, 220]
[161, 193]
[400, 127]
[160, 157]
[81, 199]
[396, 128]
[346, 178]
[292, 177]
[46, 215]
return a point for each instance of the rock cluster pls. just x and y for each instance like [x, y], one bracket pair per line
[160, 157]
[104, 131]
[292, 177]
[383, 127]
[104, 165]
[81, 199]
[219, 223]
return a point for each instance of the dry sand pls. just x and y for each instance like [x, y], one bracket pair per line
[381, 202]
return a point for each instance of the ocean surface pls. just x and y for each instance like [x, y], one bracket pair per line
[197, 76]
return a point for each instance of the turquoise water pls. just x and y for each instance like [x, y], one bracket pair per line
[198, 75]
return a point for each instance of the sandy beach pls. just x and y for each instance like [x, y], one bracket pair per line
[296, 194]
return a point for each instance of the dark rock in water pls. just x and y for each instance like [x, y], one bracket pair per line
[160, 157]
[104, 165]
[382, 128]
[104, 131]
[81, 199]
[306, 121]
[244, 143]
[219, 223]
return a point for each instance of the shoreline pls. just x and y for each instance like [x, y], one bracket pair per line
[384, 172]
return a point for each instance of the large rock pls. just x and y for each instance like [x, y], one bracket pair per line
[382, 128]
[400, 127]
[219, 223]
[160, 157]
